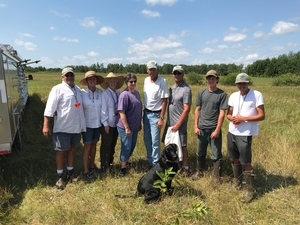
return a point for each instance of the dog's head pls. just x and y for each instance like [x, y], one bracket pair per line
[170, 153]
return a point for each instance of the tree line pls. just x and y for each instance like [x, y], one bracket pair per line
[283, 64]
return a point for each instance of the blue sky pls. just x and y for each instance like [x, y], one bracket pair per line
[83, 32]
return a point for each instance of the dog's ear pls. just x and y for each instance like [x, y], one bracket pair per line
[173, 146]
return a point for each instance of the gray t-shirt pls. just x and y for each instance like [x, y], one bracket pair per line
[179, 95]
[211, 103]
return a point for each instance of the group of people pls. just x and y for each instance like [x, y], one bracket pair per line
[91, 112]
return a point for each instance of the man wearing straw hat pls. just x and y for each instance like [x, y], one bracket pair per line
[65, 105]
[109, 115]
[92, 104]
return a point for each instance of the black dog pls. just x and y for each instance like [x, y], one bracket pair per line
[169, 158]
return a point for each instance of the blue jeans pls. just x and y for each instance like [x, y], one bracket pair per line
[152, 136]
[215, 144]
[128, 144]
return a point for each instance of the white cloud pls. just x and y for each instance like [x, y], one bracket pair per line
[149, 13]
[282, 27]
[51, 28]
[26, 35]
[277, 48]
[112, 60]
[161, 2]
[106, 31]
[222, 47]
[207, 51]
[184, 33]
[259, 34]
[93, 54]
[235, 37]
[80, 57]
[88, 22]
[27, 45]
[233, 28]
[178, 54]
[129, 39]
[2, 5]
[259, 25]
[213, 41]
[251, 57]
[65, 39]
[59, 14]
[292, 44]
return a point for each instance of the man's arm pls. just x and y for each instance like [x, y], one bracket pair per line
[260, 115]
[221, 117]
[196, 119]
[160, 123]
[183, 117]
[46, 129]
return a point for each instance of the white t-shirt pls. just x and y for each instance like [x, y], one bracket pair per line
[66, 103]
[154, 92]
[245, 106]
[92, 105]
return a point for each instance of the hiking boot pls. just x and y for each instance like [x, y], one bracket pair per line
[88, 177]
[184, 172]
[200, 167]
[60, 184]
[123, 172]
[71, 177]
[250, 192]
[237, 176]
[94, 170]
[217, 172]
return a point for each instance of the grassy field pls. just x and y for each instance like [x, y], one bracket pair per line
[27, 177]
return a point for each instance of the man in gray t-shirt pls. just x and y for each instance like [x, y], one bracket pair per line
[180, 100]
[211, 105]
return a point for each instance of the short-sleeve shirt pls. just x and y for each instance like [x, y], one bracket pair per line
[179, 95]
[245, 106]
[154, 92]
[131, 104]
[211, 103]
[65, 105]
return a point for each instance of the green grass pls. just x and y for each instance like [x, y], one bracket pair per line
[27, 176]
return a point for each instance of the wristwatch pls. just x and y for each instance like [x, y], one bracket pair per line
[161, 117]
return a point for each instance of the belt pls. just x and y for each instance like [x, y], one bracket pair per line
[156, 111]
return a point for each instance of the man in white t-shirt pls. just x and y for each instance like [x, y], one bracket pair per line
[65, 105]
[246, 108]
[155, 103]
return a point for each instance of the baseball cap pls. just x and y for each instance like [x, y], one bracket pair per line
[212, 73]
[178, 68]
[242, 78]
[67, 70]
[152, 64]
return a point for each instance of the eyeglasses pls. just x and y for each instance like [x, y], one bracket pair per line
[177, 73]
[69, 75]
[132, 81]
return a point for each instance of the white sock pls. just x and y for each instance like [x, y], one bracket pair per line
[60, 171]
[186, 167]
[69, 168]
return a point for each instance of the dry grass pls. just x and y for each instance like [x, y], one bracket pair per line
[27, 177]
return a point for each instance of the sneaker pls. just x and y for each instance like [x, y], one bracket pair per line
[88, 176]
[71, 177]
[94, 170]
[123, 172]
[60, 184]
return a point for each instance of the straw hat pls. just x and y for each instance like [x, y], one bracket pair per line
[120, 79]
[91, 73]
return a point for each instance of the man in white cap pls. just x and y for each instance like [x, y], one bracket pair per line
[246, 108]
[155, 104]
[65, 105]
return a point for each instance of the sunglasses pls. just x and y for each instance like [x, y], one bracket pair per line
[69, 75]
[132, 81]
[177, 73]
